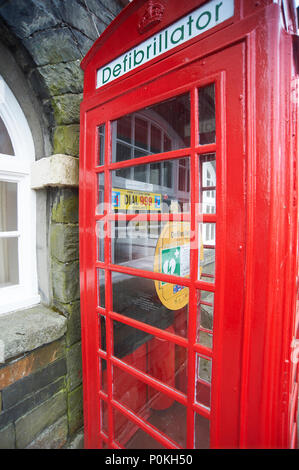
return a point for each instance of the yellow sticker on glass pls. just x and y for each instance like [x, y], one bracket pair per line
[172, 256]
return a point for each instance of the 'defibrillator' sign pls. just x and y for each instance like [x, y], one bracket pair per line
[204, 18]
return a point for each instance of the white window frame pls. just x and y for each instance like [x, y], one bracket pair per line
[17, 169]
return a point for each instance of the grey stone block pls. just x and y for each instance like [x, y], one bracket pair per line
[28, 385]
[28, 329]
[53, 437]
[76, 442]
[48, 48]
[65, 281]
[25, 17]
[75, 409]
[64, 240]
[74, 366]
[67, 108]
[66, 139]
[23, 407]
[28, 427]
[65, 208]
[84, 43]
[7, 437]
[109, 8]
[63, 78]
[75, 15]
[73, 314]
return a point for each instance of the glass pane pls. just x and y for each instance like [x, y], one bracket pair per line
[141, 133]
[100, 203]
[103, 375]
[205, 315]
[137, 298]
[101, 144]
[101, 288]
[202, 432]
[5, 142]
[155, 187]
[9, 262]
[153, 246]
[8, 206]
[100, 233]
[158, 128]
[130, 436]
[158, 409]
[103, 335]
[104, 416]
[203, 380]
[208, 183]
[207, 234]
[161, 359]
[103, 444]
[206, 113]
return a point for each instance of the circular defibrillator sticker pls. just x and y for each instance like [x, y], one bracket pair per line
[172, 256]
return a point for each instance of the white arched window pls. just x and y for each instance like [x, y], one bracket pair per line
[18, 278]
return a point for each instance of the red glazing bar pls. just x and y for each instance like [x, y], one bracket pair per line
[173, 154]
[208, 148]
[118, 216]
[209, 304]
[202, 410]
[108, 291]
[208, 275]
[153, 217]
[179, 340]
[194, 176]
[149, 380]
[102, 354]
[204, 350]
[183, 281]
[103, 396]
[147, 427]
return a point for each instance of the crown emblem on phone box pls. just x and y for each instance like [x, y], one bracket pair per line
[152, 16]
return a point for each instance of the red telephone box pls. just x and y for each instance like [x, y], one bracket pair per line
[188, 227]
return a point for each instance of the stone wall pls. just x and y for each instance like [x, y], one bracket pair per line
[41, 388]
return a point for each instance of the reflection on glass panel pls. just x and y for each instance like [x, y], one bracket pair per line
[101, 144]
[206, 114]
[158, 409]
[104, 416]
[161, 359]
[8, 206]
[156, 187]
[103, 336]
[100, 233]
[101, 288]
[9, 262]
[158, 128]
[205, 315]
[100, 202]
[5, 142]
[152, 245]
[207, 164]
[137, 298]
[103, 444]
[203, 380]
[103, 375]
[207, 235]
[202, 432]
[130, 436]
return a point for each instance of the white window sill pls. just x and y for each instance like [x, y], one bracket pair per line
[7, 309]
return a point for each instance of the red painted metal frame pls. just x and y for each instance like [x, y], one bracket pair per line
[255, 296]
